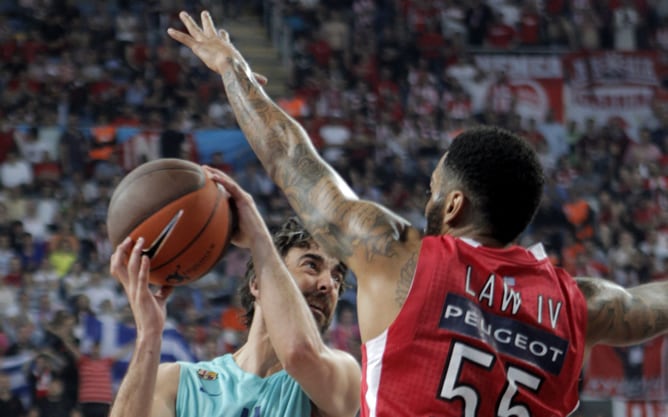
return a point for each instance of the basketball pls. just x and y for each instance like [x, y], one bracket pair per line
[184, 217]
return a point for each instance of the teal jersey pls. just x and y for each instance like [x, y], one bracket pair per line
[219, 388]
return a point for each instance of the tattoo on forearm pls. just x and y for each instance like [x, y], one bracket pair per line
[293, 164]
[405, 280]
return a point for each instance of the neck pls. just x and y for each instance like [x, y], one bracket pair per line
[257, 355]
[478, 235]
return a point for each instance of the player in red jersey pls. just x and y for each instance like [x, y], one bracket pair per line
[457, 321]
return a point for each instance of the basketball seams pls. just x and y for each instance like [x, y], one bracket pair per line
[128, 181]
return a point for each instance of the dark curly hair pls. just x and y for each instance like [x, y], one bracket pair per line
[290, 234]
[502, 177]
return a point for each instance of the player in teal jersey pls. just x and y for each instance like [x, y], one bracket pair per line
[284, 368]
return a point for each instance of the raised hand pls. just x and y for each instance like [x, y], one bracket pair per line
[211, 45]
[131, 268]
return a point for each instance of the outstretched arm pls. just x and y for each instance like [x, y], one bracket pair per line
[624, 316]
[368, 237]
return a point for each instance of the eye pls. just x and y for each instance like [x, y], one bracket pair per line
[338, 278]
[311, 265]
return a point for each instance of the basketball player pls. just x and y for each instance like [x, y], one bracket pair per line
[457, 322]
[284, 368]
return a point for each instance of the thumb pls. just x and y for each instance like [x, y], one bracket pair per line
[261, 78]
[163, 293]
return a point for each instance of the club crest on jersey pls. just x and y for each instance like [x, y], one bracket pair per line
[207, 375]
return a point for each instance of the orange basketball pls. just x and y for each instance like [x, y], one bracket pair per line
[184, 218]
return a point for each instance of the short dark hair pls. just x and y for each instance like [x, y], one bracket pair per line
[290, 234]
[502, 176]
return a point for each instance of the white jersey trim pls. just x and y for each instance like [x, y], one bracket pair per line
[375, 349]
[538, 251]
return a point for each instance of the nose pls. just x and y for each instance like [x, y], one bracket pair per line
[325, 282]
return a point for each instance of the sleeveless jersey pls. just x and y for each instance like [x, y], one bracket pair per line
[219, 388]
[483, 332]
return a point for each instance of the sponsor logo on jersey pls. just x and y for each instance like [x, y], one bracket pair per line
[505, 335]
[207, 375]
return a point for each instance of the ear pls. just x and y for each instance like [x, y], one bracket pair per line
[254, 288]
[454, 207]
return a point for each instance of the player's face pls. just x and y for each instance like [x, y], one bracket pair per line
[319, 277]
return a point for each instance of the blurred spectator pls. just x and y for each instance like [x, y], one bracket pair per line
[99, 289]
[75, 278]
[234, 330]
[16, 172]
[172, 140]
[14, 276]
[34, 224]
[337, 33]
[95, 393]
[218, 162]
[6, 254]
[10, 404]
[344, 334]
[479, 17]
[626, 23]
[59, 331]
[644, 151]
[500, 35]
[55, 403]
[7, 142]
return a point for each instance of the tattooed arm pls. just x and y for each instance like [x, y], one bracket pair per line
[379, 246]
[624, 316]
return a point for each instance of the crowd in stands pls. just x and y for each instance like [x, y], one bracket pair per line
[382, 87]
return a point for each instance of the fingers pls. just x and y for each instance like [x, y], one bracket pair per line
[138, 266]
[232, 187]
[191, 25]
[119, 259]
[226, 181]
[207, 24]
[223, 34]
[181, 37]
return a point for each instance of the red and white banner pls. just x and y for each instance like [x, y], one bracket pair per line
[623, 408]
[634, 372]
[536, 80]
[608, 85]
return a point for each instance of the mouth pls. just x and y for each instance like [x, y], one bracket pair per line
[317, 309]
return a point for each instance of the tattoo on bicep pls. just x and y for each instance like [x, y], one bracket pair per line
[405, 280]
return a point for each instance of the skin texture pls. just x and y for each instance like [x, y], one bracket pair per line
[380, 247]
[295, 299]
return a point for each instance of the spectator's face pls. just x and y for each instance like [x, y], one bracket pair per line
[55, 388]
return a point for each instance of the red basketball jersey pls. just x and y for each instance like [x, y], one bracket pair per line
[483, 333]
